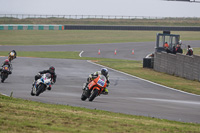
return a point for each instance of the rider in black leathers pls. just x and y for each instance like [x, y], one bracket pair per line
[7, 62]
[51, 70]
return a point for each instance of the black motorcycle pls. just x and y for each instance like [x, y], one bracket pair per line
[4, 73]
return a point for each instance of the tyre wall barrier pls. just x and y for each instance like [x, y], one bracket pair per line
[93, 27]
[179, 65]
[31, 27]
[153, 28]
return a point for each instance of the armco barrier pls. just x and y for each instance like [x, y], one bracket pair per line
[177, 64]
[150, 28]
[31, 27]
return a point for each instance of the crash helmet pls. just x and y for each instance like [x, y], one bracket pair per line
[52, 69]
[12, 53]
[6, 62]
[104, 71]
[180, 42]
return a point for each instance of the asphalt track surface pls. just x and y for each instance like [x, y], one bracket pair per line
[127, 94]
[123, 50]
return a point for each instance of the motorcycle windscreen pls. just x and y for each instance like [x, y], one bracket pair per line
[102, 81]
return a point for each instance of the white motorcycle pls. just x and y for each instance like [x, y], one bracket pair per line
[41, 84]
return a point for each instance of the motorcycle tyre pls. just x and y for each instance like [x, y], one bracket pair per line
[94, 94]
[83, 97]
[32, 94]
[39, 90]
[2, 79]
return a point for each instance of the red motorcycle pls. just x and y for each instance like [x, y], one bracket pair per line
[94, 88]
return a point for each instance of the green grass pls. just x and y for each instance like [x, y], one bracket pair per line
[196, 51]
[48, 37]
[131, 67]
[91, 21]
[22, 116]
[17, 115]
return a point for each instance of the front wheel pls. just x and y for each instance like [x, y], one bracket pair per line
[3, 77]
[32, 94]
[83, 97]
[93, 95]
[40, 89]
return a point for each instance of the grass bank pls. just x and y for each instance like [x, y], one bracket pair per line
[131, 67]
[105, 21]
[48, 37]
[20, 116]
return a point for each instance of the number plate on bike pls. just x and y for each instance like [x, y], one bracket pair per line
[101, 83]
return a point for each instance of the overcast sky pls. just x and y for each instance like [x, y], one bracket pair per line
[153, 8]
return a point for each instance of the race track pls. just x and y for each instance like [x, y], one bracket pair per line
[123, 50]
[127, 94]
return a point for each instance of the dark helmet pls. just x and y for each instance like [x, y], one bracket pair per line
[52, 69]
[104, 71]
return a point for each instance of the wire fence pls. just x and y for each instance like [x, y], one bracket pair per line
[26, 16]
[96, 20]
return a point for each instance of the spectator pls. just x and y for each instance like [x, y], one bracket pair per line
[174, 50]
[189, 51]
[166, 45]
[179, 49]
[180, 42]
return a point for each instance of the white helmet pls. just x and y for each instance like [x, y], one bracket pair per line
[12, 54]
[180, 42]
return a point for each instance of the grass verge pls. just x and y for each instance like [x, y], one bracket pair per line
[105, 21]
[48, 37]
[131, 67]
[19, 115]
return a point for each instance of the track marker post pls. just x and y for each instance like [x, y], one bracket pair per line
[99, 52]
[133, 52]
[115, 52]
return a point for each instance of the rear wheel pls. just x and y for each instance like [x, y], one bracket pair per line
[40, 89]
[93, 95]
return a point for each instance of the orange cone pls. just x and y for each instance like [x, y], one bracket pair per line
[115, 51]
[132, 51]
[99, 52]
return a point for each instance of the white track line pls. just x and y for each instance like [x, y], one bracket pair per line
[144, 79]
[171, 101]
[80, 54]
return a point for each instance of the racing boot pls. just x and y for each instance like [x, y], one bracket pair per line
[33, 83]
[105, 91]
[33, 90]
[85, 86]
[49, 88]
